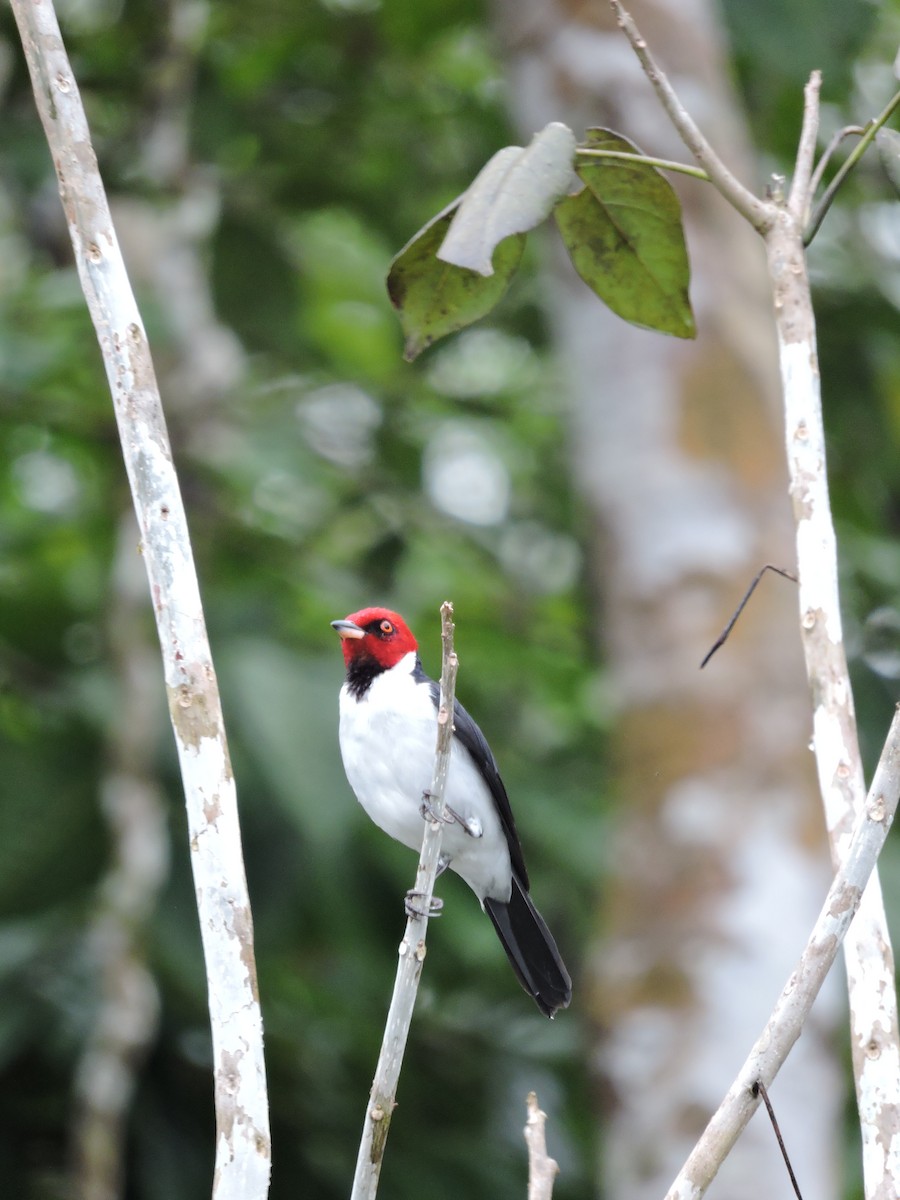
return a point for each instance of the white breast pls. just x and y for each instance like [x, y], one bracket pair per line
[388, 744]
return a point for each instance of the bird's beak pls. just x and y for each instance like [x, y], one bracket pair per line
[348, 629]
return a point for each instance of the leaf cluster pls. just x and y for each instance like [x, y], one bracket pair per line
[619, 218]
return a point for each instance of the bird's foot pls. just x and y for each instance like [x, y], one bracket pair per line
[430, 813]
[413, 906]
[471, 825]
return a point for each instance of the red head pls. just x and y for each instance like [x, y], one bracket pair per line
[374, 634]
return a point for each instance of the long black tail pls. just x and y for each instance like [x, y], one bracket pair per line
[530, 947]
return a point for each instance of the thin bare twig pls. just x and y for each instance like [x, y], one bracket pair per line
[723, 636]
[382, 1098]
[542, 1169]
[757, 212]
[800, 195]
[792, 1008]
[243, 1152]
[763, 1091]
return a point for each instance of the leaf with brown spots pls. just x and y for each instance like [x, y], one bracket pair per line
[624, 235]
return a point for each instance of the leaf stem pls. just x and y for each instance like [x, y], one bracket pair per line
[662, 164]
[836, 140]
[868, 136]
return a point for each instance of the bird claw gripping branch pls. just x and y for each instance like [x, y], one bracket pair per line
[412, 909]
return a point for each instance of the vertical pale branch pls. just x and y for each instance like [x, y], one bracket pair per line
[868, 955]
[382, 1098]
[242, 1123]
[800, 196]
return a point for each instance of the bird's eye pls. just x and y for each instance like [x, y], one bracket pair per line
[386, 627]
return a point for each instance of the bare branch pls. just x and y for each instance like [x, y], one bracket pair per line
[868, 956]
[757, 212]
[868, 953]
[792, 1008]
[382, 1098]
[542, 1169]
[242, 1141]
[763, 1091]
[800, 196]
[723, 636]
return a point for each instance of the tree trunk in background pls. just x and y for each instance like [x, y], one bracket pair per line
[719, 865]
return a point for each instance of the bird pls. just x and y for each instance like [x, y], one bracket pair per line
[387, 733]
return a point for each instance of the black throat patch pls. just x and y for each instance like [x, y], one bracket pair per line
[362, 671]
[360, 674]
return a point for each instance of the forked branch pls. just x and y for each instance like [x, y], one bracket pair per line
[757, 212]
[868, 957]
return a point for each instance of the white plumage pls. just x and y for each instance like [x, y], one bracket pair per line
[387, 743]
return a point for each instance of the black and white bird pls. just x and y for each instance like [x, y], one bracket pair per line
[388, 729]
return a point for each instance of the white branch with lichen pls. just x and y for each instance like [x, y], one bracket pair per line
[242, 1138]
[875, 1029]
[868, 955]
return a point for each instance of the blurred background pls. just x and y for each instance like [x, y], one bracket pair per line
[593, 498]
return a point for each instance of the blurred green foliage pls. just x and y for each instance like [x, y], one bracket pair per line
[330, 131]
[323, 481]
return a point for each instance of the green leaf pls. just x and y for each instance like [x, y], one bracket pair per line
[887, 142]
[513, 192]
[434, 298]
[624, 235]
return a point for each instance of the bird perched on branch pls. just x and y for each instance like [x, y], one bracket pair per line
[388, 731]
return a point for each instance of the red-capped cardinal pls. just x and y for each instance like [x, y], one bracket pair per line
[388, 731]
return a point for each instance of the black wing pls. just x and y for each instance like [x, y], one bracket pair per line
[475, 743]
